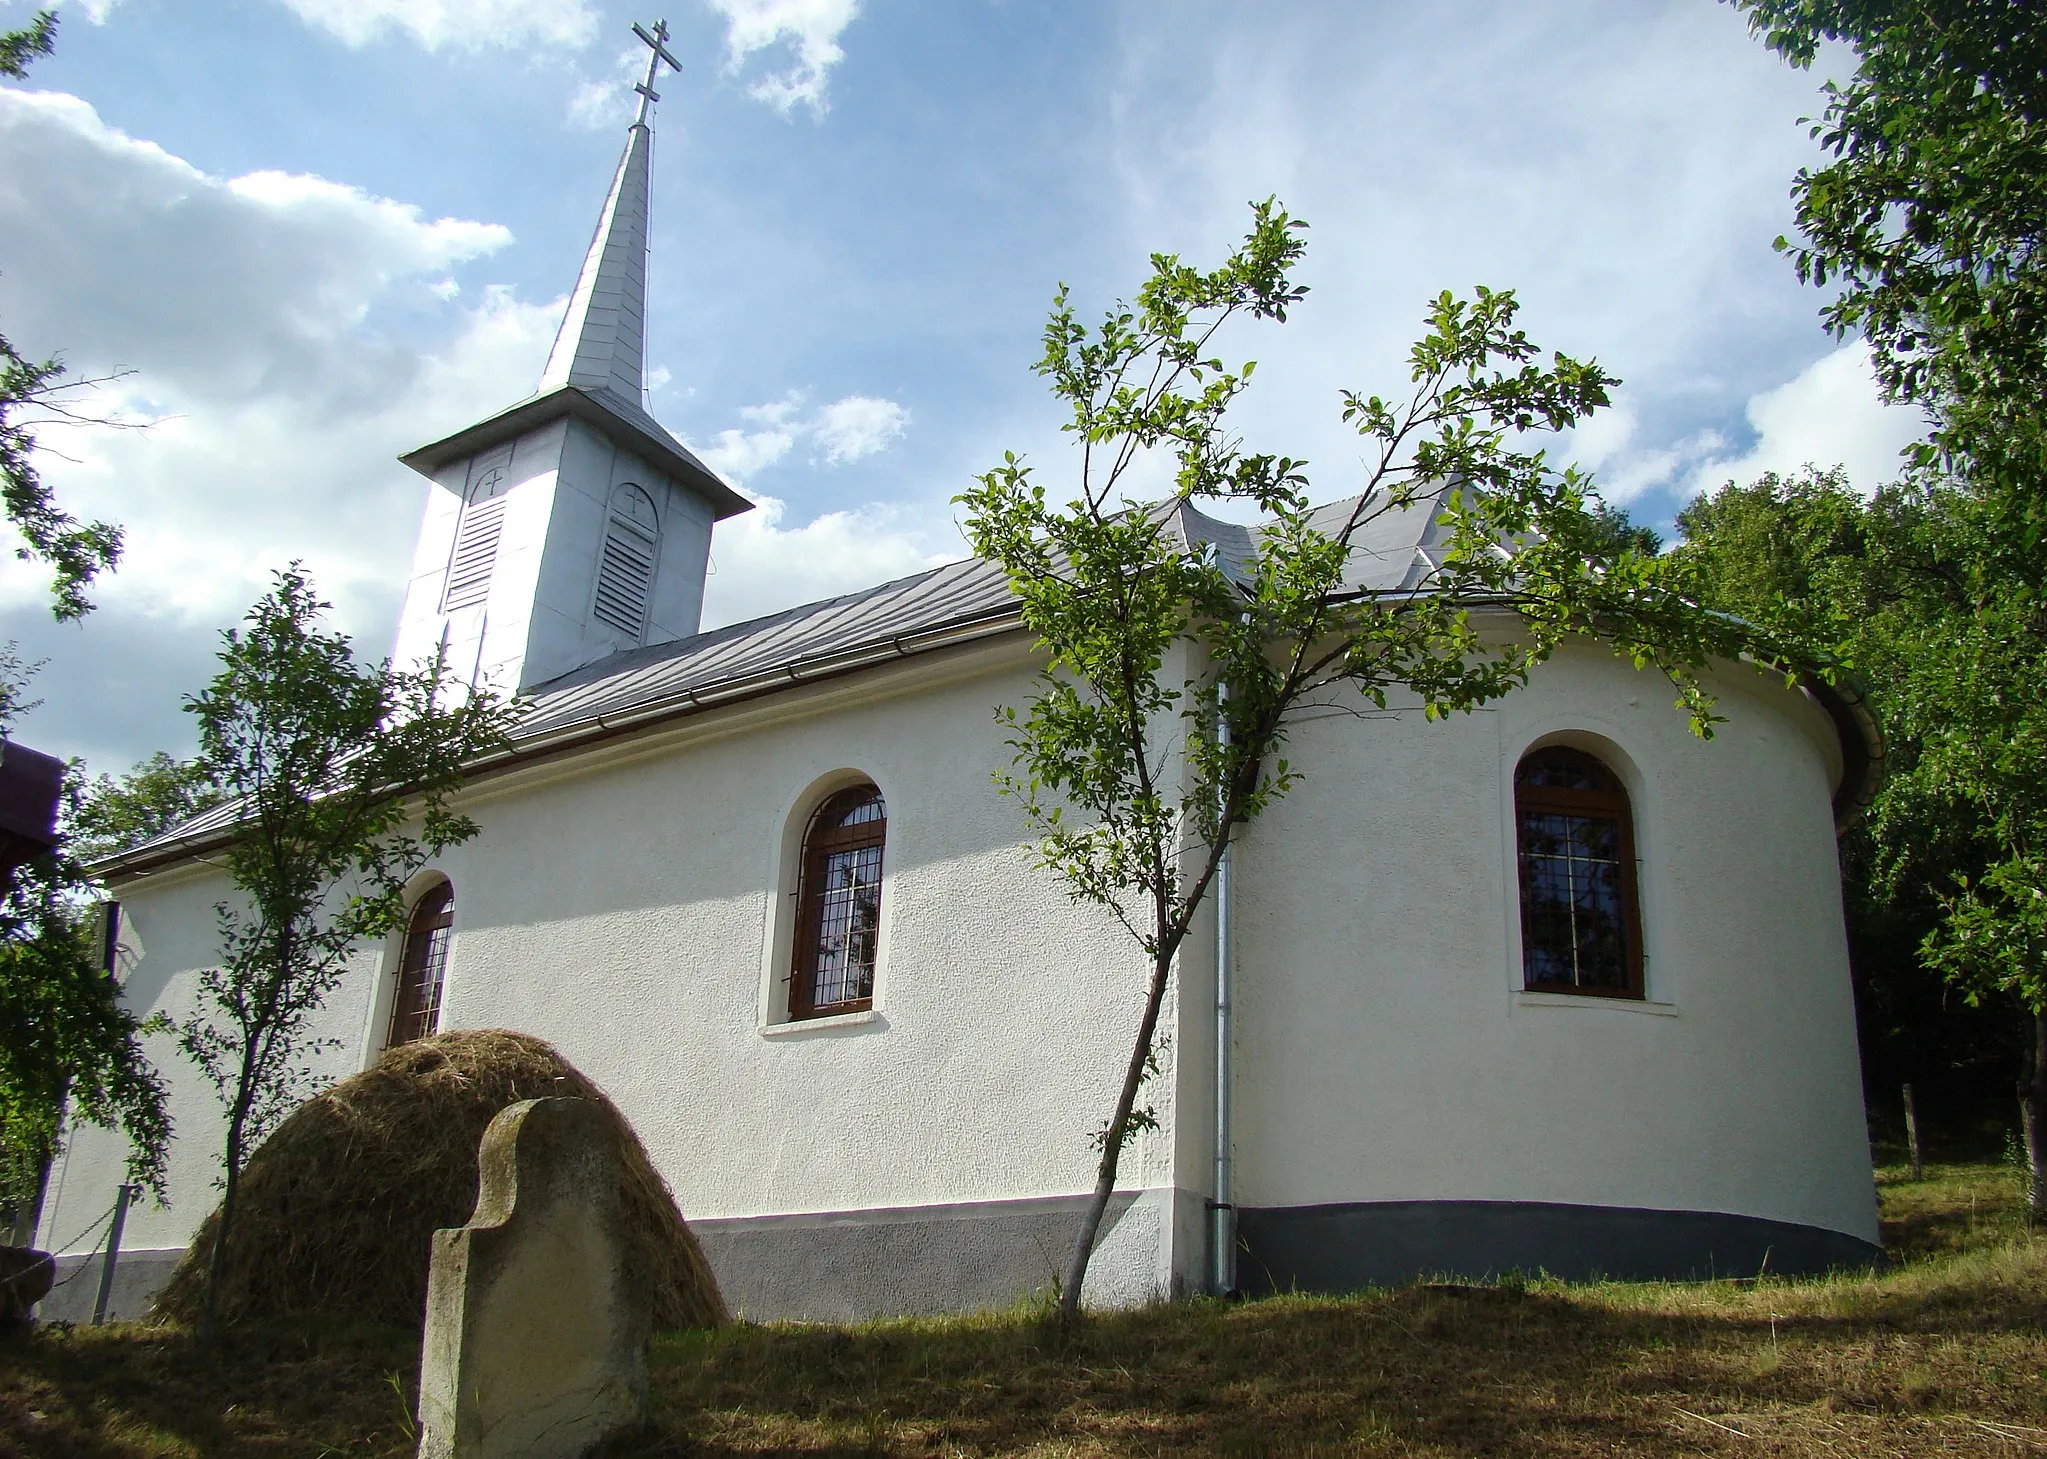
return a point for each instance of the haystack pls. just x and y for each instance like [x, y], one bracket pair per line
[337, 1209]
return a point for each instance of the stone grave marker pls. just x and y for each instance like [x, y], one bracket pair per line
[536, 1333]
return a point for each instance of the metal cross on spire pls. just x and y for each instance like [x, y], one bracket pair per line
[656, 42]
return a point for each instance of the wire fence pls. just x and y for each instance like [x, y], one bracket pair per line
[86, 1264]
[64, 1247]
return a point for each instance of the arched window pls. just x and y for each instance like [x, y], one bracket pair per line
[416, 1007]
[838, 905]
[625, 573]
[476, 541]
[1581, 931]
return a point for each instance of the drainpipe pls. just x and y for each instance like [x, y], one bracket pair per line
[1222, 1214]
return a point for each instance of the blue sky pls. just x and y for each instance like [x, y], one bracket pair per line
[320, 232]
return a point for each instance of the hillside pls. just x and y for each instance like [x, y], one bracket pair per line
[1945, 1353]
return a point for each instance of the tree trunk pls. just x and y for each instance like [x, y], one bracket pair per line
[1912, 1132]
[1112, 1142]
[216, 1262]
[2033, 1120]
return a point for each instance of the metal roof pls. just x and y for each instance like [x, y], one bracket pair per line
[611, 414]
[1389, 545]
[781, 649]
[959, 602]
[761, 656]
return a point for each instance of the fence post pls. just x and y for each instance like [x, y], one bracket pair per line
[1912, 1131]
[99, 1307]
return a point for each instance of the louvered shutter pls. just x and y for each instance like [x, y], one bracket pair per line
[476, 551]
[625, 574]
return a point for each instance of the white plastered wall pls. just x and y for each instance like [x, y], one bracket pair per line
[619, 905]
[623, 912]
[169, 935]
[1384, 1048]
[622, 904]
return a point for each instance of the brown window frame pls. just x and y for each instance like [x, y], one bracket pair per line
[1609, 803]
[820, 843]
[416, 1002]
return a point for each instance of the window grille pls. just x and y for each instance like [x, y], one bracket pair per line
[416, 1006]
[476, 543]
[838, 916]
[625, 572]
[1580, 924]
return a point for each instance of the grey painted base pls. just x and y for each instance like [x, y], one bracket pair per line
[1340, 1248]
[827, 1267]
[848, 1265]
[138, 1277]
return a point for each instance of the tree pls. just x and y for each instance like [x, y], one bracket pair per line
[68, 1039]
[35, 392]
[344, 777]
[1134, 774]
[64, 1034]
[1919, 592]
[18, 48]
[156, 794]
[1797, 552]
[1927, 222]
[1971, 694]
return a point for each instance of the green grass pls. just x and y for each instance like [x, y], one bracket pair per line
[131, 1391]
[1945, 1352]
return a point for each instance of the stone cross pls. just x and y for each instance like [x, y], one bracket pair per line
[536, 1333]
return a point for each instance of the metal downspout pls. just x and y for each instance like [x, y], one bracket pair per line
[1222, 1213]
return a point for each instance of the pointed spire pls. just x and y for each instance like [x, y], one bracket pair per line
[597, 368]
[602, 343]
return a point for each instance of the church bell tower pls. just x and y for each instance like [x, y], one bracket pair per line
[572, 525]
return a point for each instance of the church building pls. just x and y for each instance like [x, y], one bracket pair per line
[1553, 986]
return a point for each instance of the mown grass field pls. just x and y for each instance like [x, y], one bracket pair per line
[1943, 1353]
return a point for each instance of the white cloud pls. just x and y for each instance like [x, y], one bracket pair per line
[848, 429]
[215, 289]
[738, 454]
[96, 11]
[1625, 471]
[810, 28]
[608, 100]
[468, 25]
[289, 335]
[758, 566]
[1830, 415]
[1634, 223]
[858, 426]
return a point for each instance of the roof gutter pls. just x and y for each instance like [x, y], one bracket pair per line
[595, 728]
[1847, 709]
